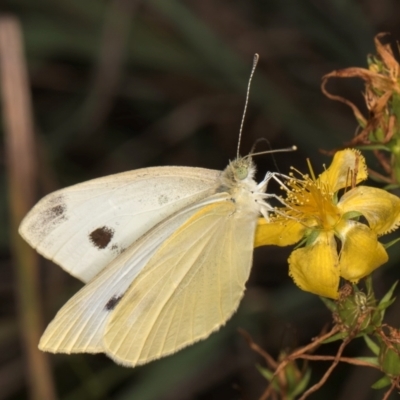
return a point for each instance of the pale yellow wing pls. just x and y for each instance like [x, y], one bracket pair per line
[79, 325]
[188, 289]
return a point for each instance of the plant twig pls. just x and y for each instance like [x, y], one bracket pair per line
[297, 354]
[347, 360]
[325, 377]
[21, 171]
[254, 346]
[389, 392]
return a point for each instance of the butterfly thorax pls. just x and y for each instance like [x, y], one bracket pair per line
[238, 180]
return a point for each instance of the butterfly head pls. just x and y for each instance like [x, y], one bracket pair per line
[241, 168]
[239, 172]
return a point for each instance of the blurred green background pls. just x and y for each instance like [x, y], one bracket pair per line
[123, 84]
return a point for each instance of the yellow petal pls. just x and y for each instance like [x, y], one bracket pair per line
[380, 208]
[338, 175]
[278, 233]
[315, 268]
[361, 252]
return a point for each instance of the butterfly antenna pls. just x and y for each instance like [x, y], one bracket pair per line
[255, 61]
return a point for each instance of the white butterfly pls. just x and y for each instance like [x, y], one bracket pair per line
[165, 254]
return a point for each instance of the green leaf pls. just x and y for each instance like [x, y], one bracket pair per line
[351, 215]
[368, 284]
[385, 305]
[388, 296]
[374, 147]
[302, 384]
[387, 245]
[331, 305]
[301, 243]
[381, 383]
[269, 376]
[371, 360]
[338, 336]
[392, 186]
[312, 237]
[265, 372]
[371, 345]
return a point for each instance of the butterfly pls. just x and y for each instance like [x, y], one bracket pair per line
[165, 253]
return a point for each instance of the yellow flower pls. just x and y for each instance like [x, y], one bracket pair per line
[337, 242]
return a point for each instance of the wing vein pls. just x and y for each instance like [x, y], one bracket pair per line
[166, 301]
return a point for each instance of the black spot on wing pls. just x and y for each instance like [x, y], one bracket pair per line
[100, 237]
[56, 211]
[112, 303]
[54, 214]
[117, 250]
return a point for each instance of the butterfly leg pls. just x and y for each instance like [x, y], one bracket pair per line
[262, 186]
[265, 212]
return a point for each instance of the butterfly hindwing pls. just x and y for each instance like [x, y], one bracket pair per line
[188, 289]
[80, 324]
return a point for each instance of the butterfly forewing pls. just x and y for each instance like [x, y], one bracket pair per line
[187, 290]
[84, 227]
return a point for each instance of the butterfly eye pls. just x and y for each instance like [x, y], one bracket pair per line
[241, 168]
[241, 172]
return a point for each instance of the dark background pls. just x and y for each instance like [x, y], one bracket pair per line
[123, 84]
